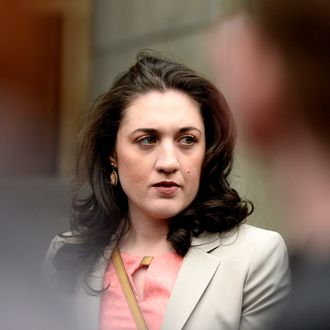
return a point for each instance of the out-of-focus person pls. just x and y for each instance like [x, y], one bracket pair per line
[272, 60]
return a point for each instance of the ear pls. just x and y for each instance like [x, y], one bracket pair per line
[113, 160]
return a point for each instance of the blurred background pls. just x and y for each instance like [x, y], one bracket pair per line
[56, 57]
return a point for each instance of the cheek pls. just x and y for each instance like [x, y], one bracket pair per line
[131, 174]
[133, 170]
[192, 172]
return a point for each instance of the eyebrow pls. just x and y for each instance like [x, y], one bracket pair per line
[154, 131]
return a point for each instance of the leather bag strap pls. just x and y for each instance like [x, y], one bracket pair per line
[128, 291]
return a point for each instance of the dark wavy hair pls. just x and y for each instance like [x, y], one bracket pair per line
[102, 216]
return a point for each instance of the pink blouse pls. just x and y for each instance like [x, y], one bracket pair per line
[158, 284]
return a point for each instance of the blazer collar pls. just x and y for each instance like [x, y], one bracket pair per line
[195, 274]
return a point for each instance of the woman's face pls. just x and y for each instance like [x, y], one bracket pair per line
[159, 153]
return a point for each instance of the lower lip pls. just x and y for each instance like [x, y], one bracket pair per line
[167, 190]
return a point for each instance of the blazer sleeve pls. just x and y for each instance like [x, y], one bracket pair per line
[267, 283]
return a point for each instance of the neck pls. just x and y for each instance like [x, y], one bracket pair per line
[302, 169]
[146, 236]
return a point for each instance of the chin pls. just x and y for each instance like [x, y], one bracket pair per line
[166, 208]
[165, 213]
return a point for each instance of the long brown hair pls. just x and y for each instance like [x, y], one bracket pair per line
[98, 217]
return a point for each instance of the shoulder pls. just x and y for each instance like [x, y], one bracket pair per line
[252, 275]
[261, 254]
[254, 234]
[245, 247]
[249, 249]
[244, 238]
[250, 239]
[264, 248]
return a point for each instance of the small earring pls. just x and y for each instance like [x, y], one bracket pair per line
[113, 176]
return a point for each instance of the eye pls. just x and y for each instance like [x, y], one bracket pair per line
[187, 140]
[146, 140]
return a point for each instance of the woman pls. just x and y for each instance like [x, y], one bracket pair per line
[156, 154]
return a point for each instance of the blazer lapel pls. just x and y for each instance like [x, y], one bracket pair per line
[87, 305]
[196, 272]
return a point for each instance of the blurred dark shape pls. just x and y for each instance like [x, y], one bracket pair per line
[301, 31]
[308, 306]
[277, 75]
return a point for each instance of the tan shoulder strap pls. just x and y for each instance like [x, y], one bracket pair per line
[128, 291]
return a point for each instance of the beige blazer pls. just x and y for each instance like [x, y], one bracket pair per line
[232, 281]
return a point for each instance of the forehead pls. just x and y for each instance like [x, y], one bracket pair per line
[162, 109]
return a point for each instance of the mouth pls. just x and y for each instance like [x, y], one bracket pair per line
[166, 184]
[167, 188]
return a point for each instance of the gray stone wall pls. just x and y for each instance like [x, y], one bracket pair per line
[121, 28]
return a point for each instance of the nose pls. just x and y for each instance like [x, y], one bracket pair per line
[167, 160]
